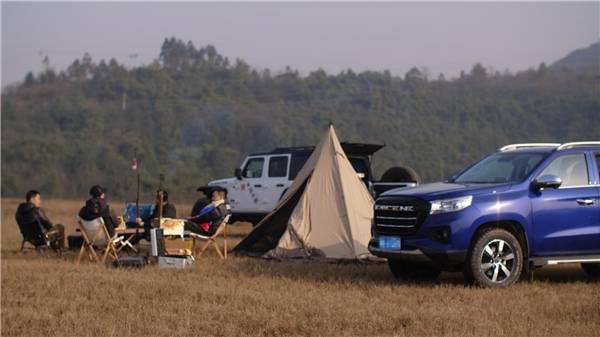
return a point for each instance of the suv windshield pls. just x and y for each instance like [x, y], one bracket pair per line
[501, 168]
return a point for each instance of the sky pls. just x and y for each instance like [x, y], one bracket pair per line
[443, 37]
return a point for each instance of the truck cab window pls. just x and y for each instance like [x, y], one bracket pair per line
[598, 163]
[298, 161]
[253, 168]
[571, 169]
[278, 166]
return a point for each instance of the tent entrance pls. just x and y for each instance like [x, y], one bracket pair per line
[267, 233]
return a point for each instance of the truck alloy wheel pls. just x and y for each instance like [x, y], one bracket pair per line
[495, 259]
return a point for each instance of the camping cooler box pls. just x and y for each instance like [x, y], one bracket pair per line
[175, 261]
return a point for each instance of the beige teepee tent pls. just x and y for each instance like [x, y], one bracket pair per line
[326, 212]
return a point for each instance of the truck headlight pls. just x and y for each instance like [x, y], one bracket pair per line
[450, 205]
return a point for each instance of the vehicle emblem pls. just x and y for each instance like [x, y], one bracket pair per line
[397, 208]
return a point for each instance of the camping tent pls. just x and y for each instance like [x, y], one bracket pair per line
[326, 212]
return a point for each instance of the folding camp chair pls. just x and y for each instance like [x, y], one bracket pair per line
[41, 240]
[211, 240]
[95, 235]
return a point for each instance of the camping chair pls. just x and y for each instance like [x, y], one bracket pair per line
[95, 235]
[211, 240]
[38, 238]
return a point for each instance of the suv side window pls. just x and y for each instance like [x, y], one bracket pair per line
[278, 167]
[254, 168]
[572, 170]
[298, 160]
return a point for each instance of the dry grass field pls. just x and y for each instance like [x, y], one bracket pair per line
[49, 296]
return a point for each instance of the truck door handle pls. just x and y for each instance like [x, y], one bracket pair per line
[258, 185]
[279, 185]
[585, 202]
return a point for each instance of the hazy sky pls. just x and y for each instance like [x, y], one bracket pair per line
[445, 37]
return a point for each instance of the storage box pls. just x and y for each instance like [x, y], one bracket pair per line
[130, 262]
[75, 241]
[170, 226]
[175, 261]
[179, 246]
[157, 242]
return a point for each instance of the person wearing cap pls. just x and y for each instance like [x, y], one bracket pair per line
[97, 207]
[208, 219]
[202, 201]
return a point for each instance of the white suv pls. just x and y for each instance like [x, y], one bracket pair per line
[263, 178]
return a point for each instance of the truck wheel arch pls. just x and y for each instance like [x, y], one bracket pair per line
[514, 227]
[400, 174]
[282, 194]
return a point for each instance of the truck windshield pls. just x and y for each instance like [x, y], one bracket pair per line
[501, 168]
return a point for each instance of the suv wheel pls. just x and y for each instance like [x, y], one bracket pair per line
[592, 269]
[413, 271]
[495, 260]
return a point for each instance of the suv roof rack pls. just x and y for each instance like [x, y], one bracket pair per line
[571, 145]
[524, 145]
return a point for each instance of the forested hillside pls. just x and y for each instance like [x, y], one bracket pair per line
[584, 59]
[193, 115]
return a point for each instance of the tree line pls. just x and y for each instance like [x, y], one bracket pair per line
[193, 115]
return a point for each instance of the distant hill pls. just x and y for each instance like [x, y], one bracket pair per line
[584, 59]
[194, 114]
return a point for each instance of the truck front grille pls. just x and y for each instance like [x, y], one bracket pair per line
[399, 215]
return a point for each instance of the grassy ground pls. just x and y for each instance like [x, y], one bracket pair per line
[253, 297]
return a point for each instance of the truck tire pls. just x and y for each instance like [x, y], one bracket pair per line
[399, 174]
[592, 269]
[495, 260]
[413, 271]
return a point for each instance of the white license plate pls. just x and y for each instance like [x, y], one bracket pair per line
[390, 242]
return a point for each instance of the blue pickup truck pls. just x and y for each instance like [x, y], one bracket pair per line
[526, 206]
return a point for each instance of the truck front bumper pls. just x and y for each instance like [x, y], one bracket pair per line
[446, 258]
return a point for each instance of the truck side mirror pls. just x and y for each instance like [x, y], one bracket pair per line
[238, 173]
[547, 181]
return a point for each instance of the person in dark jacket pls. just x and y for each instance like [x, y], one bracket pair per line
[31, 213]
[97, 207]
[208, 219]
[168, 211]
[203, 201]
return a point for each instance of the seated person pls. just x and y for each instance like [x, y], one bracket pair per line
[96, 207]
[208, 219]
[202, 200]
[30, 212]
[168, 211]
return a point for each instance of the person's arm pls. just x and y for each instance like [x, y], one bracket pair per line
[204, 214]
[43, 219]
[107, 216]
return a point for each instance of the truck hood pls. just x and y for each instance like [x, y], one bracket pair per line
[223, 182]
[435, 191]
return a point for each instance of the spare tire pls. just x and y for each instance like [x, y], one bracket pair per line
[400, 174]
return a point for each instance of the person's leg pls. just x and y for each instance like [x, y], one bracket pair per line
[195, 228]
[57, 235]
[110, 226]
